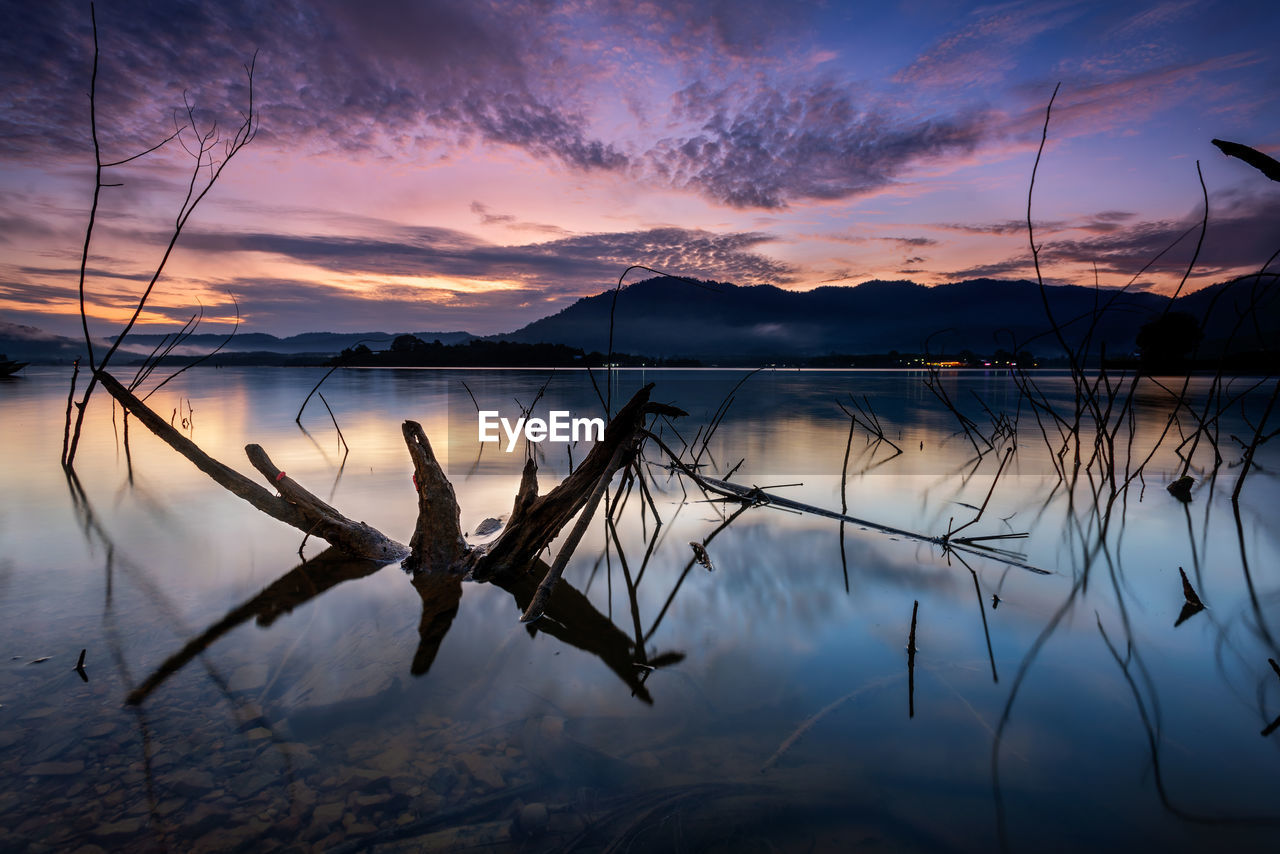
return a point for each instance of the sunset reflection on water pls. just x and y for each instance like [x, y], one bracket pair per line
[1025, 723]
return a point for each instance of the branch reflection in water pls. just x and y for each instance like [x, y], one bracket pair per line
[728, 664]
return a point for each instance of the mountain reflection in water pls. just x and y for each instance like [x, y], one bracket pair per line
[793, 698]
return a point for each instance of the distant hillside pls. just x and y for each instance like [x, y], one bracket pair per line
[29, 344]
[665, 317]
[720, 323]
[307, 342]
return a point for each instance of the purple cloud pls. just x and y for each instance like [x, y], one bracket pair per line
[769, 147]
[568, 265]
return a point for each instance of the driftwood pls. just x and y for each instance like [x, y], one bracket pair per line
[294, 505]
[536, 520]
[1263, 163]
[437, 537]
[437, 544]
[438, 555]
[441, 594]
[540, 597]
[754, 495]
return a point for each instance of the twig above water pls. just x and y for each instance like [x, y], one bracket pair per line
[969, 545]
[911, 662]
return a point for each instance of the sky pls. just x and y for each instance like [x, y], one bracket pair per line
[475, 166]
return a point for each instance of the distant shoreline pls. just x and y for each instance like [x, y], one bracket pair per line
[1043, 370]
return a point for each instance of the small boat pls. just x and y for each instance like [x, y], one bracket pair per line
[8, 367]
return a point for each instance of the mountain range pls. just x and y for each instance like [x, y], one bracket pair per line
[666, 317]
[721, 322]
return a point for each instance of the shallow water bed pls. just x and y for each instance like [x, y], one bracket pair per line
[312, 701]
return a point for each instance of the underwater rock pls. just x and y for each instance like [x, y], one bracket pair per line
[488, 526]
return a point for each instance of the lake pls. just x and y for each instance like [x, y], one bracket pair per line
[1059, 693]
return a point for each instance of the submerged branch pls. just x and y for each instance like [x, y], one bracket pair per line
[437, 538]
[537, 520]
[969, 545]
[294, 505]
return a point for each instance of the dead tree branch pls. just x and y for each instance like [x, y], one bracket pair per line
[437, 538]
[537, 520]
[210, 155]
[294, 505]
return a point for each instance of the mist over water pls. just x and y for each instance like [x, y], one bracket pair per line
[327, 702]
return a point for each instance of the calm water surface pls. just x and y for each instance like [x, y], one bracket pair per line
[312, 703]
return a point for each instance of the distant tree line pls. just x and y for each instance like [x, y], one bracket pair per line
[1164, 345]
[409, 351]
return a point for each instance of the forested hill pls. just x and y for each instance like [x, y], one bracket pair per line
[665, 317]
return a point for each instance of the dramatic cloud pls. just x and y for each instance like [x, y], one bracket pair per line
[729, 30]
[567, 265]
[1106, 222]
[767, 148]
[34, 294]
[1013, 268]
[485, 159]
[14, 229]
[331, 74]
[1126, 98]
[1241, 235]
[308, 305]
[1151, 18]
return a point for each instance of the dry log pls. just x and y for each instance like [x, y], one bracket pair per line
[437, 545]
[543, 594]
[537, 520]
[294, 505]
[437, 538]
